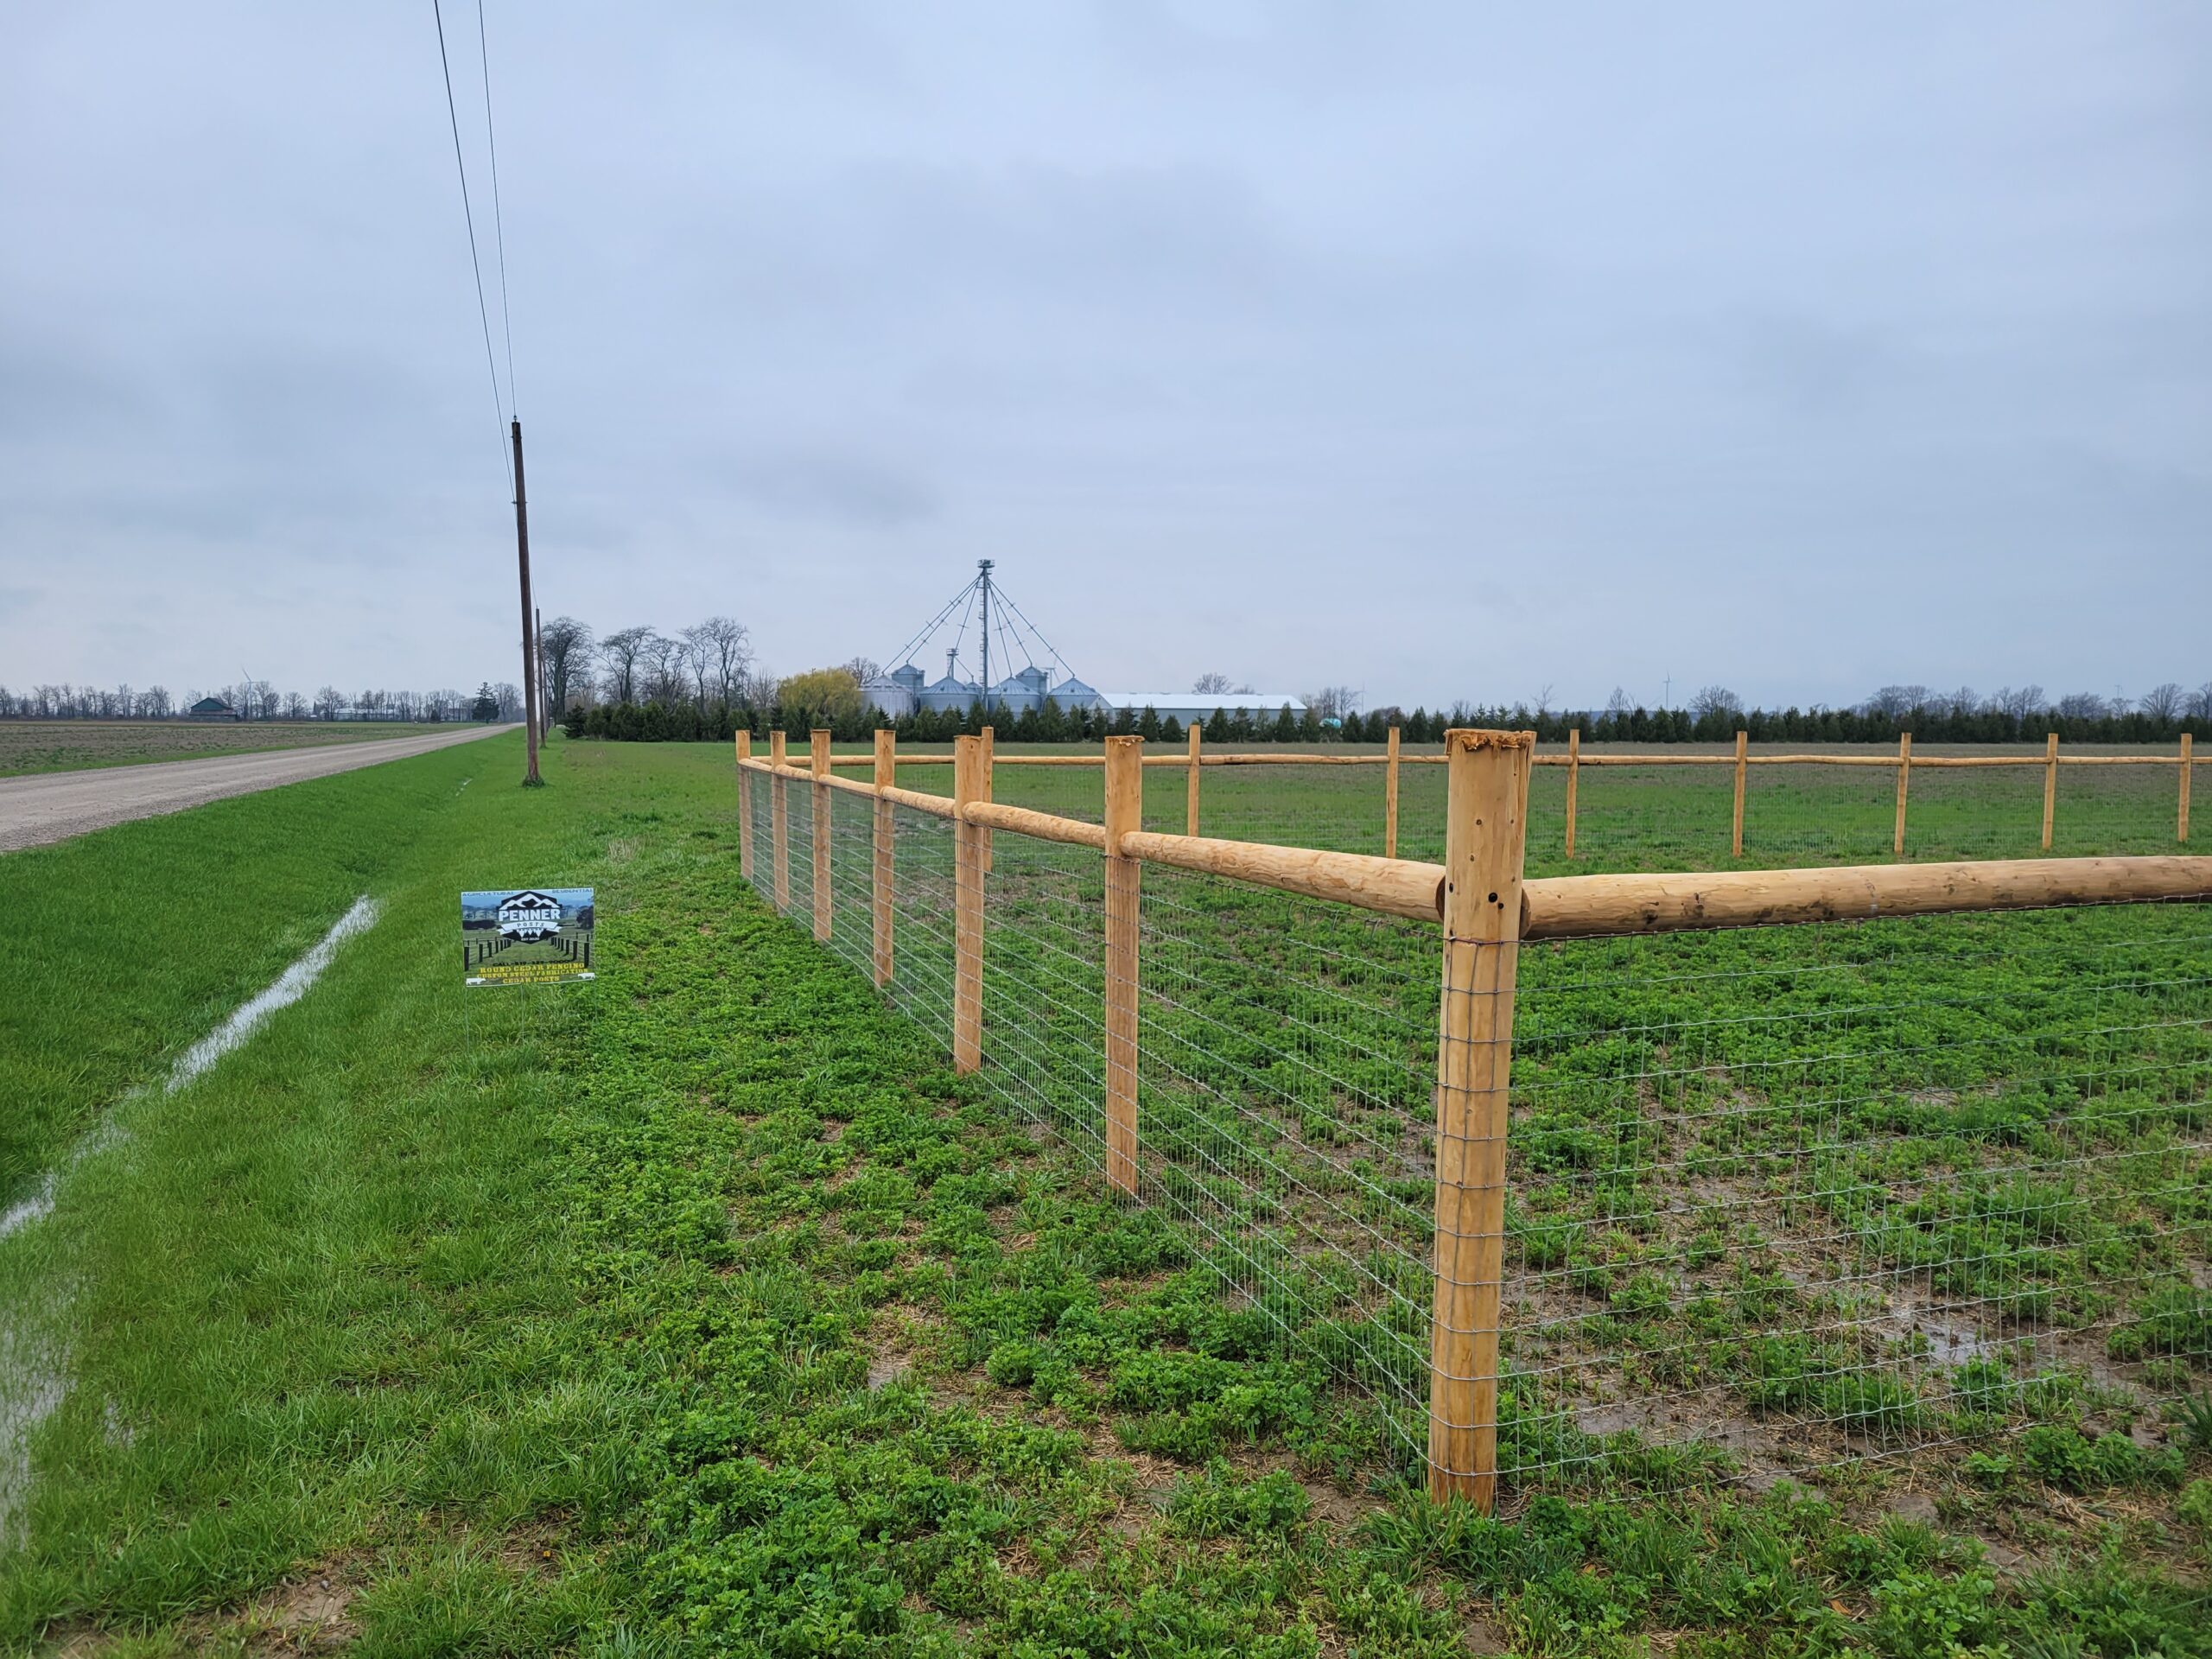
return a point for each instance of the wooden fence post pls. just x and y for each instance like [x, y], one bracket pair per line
[886, 776]
[777, 805]
[1574, 771]
[1484, 834]
[968, 786]
[2050, 786]
[1124, 812]
[820, 744]
[2187, 744]
[1905, 777]
[983, 792]
[1191, 809]
[744, 806]
[1390, 796]
[1742, 743]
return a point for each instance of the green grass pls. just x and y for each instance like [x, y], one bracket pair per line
[35, 745]
[700, 1309]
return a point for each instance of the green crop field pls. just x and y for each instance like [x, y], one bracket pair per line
[701, 1309]
[29, 745]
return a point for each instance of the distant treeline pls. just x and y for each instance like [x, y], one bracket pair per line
[685, 722]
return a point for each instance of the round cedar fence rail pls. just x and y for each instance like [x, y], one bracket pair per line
[1904, 763]
[1485, 910]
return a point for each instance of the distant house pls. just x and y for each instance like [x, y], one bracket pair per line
[211, 708]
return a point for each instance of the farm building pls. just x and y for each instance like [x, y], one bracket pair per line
[211, 708]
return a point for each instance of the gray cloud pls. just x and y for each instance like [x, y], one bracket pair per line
[1450, 352]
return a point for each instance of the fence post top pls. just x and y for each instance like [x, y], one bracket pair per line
[1124, 743]
[1464, 741]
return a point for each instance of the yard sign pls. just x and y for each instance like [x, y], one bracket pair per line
[531, 936]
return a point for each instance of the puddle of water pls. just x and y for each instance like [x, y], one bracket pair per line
[32, 1389]
[291, 985]
[1952, 1343]
[33, 1383]
[36, 1207]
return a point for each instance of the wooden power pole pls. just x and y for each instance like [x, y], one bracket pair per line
[529, 611]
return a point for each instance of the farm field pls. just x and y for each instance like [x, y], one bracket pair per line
[702, 1309]
[1658, 816]
[38, 746]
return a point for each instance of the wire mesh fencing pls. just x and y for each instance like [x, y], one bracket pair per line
[1755, 1202]
[1646, 807]
[1794, 1196]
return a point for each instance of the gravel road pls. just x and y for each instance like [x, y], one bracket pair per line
[55, 806]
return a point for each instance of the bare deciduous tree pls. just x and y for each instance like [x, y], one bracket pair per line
[663, 656]
[567, 644]
[620, 652]
[1894, 702]
[1211, 684]
[1333, 702]
[1716, 700]
[2162, 703]
[733, 648]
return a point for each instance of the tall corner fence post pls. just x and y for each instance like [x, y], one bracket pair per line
[2050, 786]
[1389, 795]
[887, 777]
[1485, 833]
[1904, 781]
[1124, 814]
[744, 806]
[967, 787]
[779, 809]
[1190, 805]
[1573, 773]
[1743, 747]
[990, 753]
[818, 744]
[2188, 743]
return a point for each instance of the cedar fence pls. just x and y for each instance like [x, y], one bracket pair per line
[1821, 1188]
[1741, 765]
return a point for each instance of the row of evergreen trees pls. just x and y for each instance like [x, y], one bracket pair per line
[659, 722]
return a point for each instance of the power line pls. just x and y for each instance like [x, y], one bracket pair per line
[483, 312]
[498, 226]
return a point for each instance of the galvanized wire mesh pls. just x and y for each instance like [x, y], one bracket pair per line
[1795, 1195]
[1774, 1199]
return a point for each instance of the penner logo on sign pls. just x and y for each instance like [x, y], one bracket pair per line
[536, 935]
[530, 915]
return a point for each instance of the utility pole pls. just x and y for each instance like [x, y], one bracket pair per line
[528, 671]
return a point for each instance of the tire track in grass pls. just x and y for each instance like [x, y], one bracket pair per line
[32, 1381]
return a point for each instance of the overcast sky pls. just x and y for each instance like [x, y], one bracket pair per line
[1444, 350]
